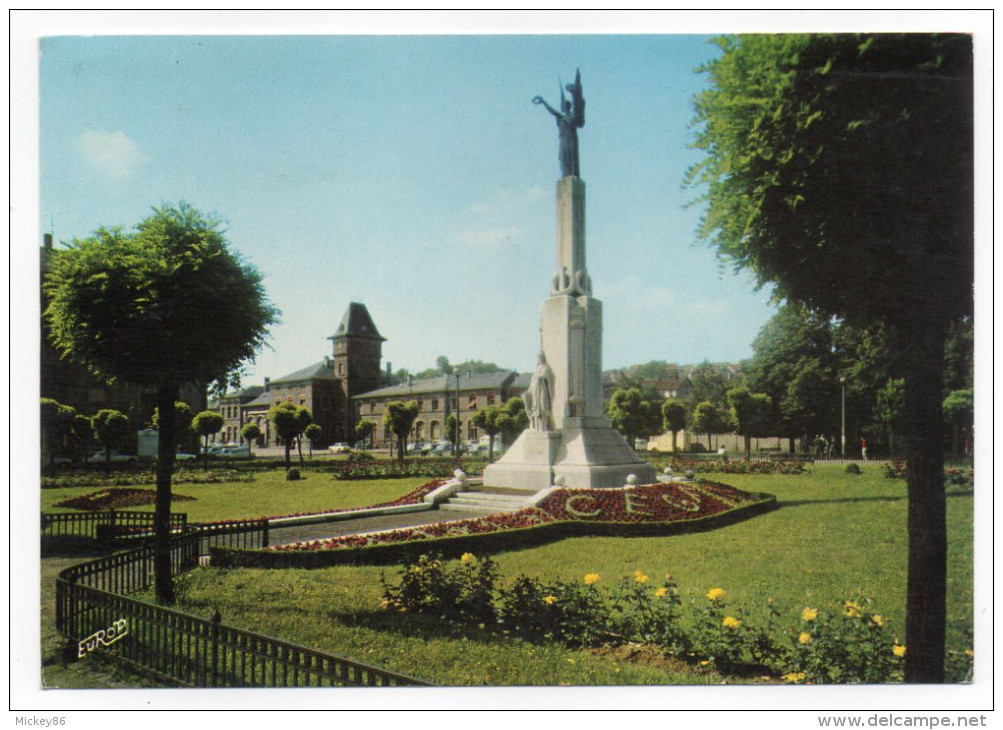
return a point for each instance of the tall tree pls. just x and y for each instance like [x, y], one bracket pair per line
[673, 418]
[111, 429]
[707, 383]
[486, 419]
[133, 306]
[633, 415]
[839, 169]
[959, 413]
[205, 424]
[183, 416]
[57, 425]
[399, 417]
[750, 414]
[889, 407]
[364, 431]
[303, 419]
[709, 418]
[250, 432]
[313, 432]
[286, 423]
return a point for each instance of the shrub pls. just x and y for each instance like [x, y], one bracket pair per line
[852, 469]
[293, 475]
[895, 469]
[464, 593]
[852, 646]
[697, 448]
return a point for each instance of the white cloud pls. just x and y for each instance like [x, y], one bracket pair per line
[114, 154]
[490, 237]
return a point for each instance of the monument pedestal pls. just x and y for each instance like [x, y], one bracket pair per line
[582, 449]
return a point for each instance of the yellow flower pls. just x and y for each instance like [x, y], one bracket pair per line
[730, 622]
[804, 638]
[715, 594]
[851, 609]
[793, 677]
[878, 620]
[571, 661]
[549, 600]
[705, 662]
[969, 652]
[660, 592]
[416, 569]
[898, 650]
[809, 614]
[466, 558]
[640, 577]
[591, 578]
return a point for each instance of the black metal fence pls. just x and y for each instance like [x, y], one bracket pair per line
[95, 616]
[109, 523]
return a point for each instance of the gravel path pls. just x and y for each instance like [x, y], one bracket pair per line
[322, 530]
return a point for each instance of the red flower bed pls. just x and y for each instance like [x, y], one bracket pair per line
[654, 503]
[116, 499]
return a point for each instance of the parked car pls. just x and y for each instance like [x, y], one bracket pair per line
[442, 448]
[237, 452]
[181, 456]
[339, 448]
[116, 458]
[216, 449]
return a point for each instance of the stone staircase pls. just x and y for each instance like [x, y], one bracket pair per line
[488, 500]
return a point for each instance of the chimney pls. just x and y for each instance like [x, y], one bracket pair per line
[390, 370]
[268, 382]
[47, 241]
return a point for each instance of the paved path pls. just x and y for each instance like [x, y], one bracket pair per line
[322, 530]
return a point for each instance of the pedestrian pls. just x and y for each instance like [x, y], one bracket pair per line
[863, 448]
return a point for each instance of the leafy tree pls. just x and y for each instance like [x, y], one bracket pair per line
[133, 306]
[633, 415]
[512, 419]
[709, 418]
[750, 414]
[303, 419]
[708, 383]
[205, 424]
[364, 431]
[959, 413]
[57, 425]
[476, 367]
[81, 434]
[399, 417]
[889, 407]
[486, 419]
[183, 416]
[313, 432]
[673, 418]
[111, 429]
[250, 432]
[286, 423]
[452, 430]
[839, 170]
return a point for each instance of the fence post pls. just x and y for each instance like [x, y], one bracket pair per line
[264, 535]
[214, 638]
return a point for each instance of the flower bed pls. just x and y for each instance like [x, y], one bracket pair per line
[424, 467]
[655, 505]
[116, 499]
[731, 466]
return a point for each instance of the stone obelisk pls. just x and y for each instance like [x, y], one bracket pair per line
[569, 441]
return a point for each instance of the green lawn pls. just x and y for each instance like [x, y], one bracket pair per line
[835, 536]
[268, 495]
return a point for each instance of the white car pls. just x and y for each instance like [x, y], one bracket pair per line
[339, 448]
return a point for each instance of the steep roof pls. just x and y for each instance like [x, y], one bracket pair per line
[443, 384]
[357, 323]
[318, 371]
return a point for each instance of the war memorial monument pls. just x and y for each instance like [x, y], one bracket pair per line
[569, 441]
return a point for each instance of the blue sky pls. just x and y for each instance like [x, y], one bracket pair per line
[409, 173]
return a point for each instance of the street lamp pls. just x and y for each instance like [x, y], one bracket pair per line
[456, 416]
[842, 425]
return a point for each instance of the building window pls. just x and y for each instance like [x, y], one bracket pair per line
[435, 404]
[491, 399]
[433, 430]
[472, 402]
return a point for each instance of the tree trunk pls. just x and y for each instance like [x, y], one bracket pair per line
[299, 449]
[748, 447]
[162, 578]
[923, 360]
[289, 462]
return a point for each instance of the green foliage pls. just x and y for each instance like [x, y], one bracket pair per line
[709, 418]
[751, 414]
[708, 383]
[633, 415]
[206, 423]
[399, 417]
[250, 432]
[674, 416]
[463, 593]
[289, 420]
[364, 430]
[852, 469]
[58, 423]
[486, 419]
[293, 474]
[182, 421]
[512, 419]
[111, 429]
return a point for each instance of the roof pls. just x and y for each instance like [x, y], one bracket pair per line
[357, 323]
[318, 371]
[443, 384]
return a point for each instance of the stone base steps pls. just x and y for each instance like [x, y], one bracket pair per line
[497, 500]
